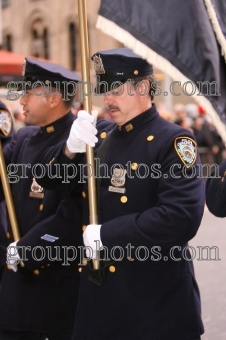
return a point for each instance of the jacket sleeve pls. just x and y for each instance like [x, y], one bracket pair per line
[216, 191]
[64, 236]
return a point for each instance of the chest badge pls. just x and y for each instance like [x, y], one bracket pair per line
[118, 181]
[36, 190]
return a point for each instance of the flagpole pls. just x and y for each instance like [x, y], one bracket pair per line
[85, 63]
[9, 200]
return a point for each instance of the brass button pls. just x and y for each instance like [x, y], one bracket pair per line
[7, 235]
[103, 135]
[48, 265]
[83, 194]
[134, 166]
[36, 272]
[80, 270]
[112, 269]
[149, 138]
[136, 72]
[41, 207]
[42, 267]
[123, 199]
[84, 262]
[84, 227]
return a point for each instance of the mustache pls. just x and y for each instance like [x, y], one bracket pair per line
[112, 107]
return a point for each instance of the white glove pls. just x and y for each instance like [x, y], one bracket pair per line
[12, 256]
[90, 235]
[83, 131]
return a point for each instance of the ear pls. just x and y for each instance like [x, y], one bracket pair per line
[143, 87]
[54, 100]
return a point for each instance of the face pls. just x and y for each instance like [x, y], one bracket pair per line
[126, 102]
[36, 107]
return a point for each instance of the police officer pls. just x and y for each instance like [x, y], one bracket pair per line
[216, 190]
[38, 300]
[6, 136]
[150, 205]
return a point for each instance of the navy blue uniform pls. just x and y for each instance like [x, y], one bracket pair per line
[150, 292]
[216, 191]
[45, 302]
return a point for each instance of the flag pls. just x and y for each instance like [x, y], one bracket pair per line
[184, 39]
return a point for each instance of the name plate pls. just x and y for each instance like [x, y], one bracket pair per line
[119, 190]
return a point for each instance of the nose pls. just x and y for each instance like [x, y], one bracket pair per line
[23, 100]
[107, 97]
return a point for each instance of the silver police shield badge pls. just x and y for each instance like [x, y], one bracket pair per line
[186, 149]
[5, 122]
[118, 181]
[36, 190]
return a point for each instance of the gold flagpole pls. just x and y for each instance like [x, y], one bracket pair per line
[9, 199]
[85, 61]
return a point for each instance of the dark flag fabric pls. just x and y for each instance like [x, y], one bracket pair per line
[184, 39]
[217, 13]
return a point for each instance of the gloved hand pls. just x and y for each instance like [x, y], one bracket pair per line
[83, 131]
[12, 256]
[90, 235]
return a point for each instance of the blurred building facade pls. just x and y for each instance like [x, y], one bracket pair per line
[49, 29]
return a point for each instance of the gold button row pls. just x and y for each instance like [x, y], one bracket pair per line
[112, 269]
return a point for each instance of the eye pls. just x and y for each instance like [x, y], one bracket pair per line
[115, 92]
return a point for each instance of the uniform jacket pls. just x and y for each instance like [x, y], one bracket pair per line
[216, 191]
[46, 300]
[150, 293]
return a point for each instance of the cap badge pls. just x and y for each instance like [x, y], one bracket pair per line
[24, 68]
[98, 65]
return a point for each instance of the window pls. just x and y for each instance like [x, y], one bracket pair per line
[72, 46]
[39, 37]
[8, 42]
